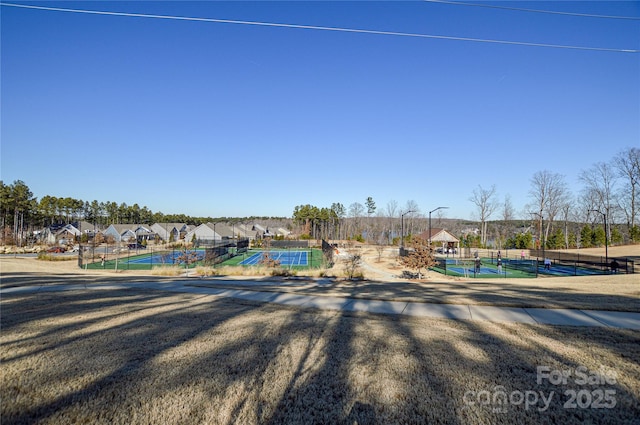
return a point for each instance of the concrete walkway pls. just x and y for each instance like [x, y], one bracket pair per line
[562, 317]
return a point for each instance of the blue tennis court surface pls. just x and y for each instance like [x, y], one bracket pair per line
[172, 257]
[483, 270]
[286, 258]
[562, 270]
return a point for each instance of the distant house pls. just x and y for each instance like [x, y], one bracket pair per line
[258, 228]
[87, 228]
[69, 231]
[66, 232]
[244, 231]
[129, 232]
[170, 231]
[224, 230]
[144, 233]
[283, 232]
[204, 232]
[47, 235]
[262, 232]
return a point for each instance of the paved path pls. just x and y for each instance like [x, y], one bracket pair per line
[566, 317]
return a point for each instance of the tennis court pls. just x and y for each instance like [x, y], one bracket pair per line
[569, 270]
[286, 258]
[488, 269]
[483, 270]
[171, 257]
[513, 268]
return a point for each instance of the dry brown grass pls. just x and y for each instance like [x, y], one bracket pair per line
[168, 271]
[149, 357]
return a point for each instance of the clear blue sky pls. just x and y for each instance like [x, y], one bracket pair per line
[220, 119]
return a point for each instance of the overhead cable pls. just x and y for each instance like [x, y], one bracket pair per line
[520, 9]
[322, 28]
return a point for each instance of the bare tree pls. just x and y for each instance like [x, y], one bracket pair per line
[627, 164]
[440, 214]
[599, 185]
[188, 257]
[356, 211]
[566, 209]
[411, 205]
[508, 213]
[380, 250]
[352, 263]
[549, 192]
[266, 259]
[392, 211]
[484, 200]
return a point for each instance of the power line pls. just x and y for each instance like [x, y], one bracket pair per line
[321, 28]
[519, 9]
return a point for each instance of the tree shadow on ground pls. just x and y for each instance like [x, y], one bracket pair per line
[480, 293]
[152, 356]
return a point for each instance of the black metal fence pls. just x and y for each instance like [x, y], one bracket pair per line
[327, 251]
[594, 262]
[123, 256]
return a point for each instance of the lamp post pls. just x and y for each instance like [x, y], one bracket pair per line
[215, 251]
[541, 232]
[402, 229]
[439, 208]
[606, 239]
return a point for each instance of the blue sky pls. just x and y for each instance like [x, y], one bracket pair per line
[220, 119]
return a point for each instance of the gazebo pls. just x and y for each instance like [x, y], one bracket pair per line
[442, 239]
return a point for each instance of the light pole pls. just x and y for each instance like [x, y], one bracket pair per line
[402, 229]
[439, 208]
[541, 232]
[606, 239]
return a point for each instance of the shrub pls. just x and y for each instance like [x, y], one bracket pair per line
[352, 266]
[43, 256]
[205, 271]
[167, 271]
[282, 272]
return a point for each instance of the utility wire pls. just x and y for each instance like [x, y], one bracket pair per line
[519, 9]
[321, 28]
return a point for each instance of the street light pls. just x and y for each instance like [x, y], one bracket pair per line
[541, 232]
[606, 243]
[402, 229]
[439, 208]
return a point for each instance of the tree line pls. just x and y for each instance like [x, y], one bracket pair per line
[605, 209]
[554, 217]
[22, 212]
